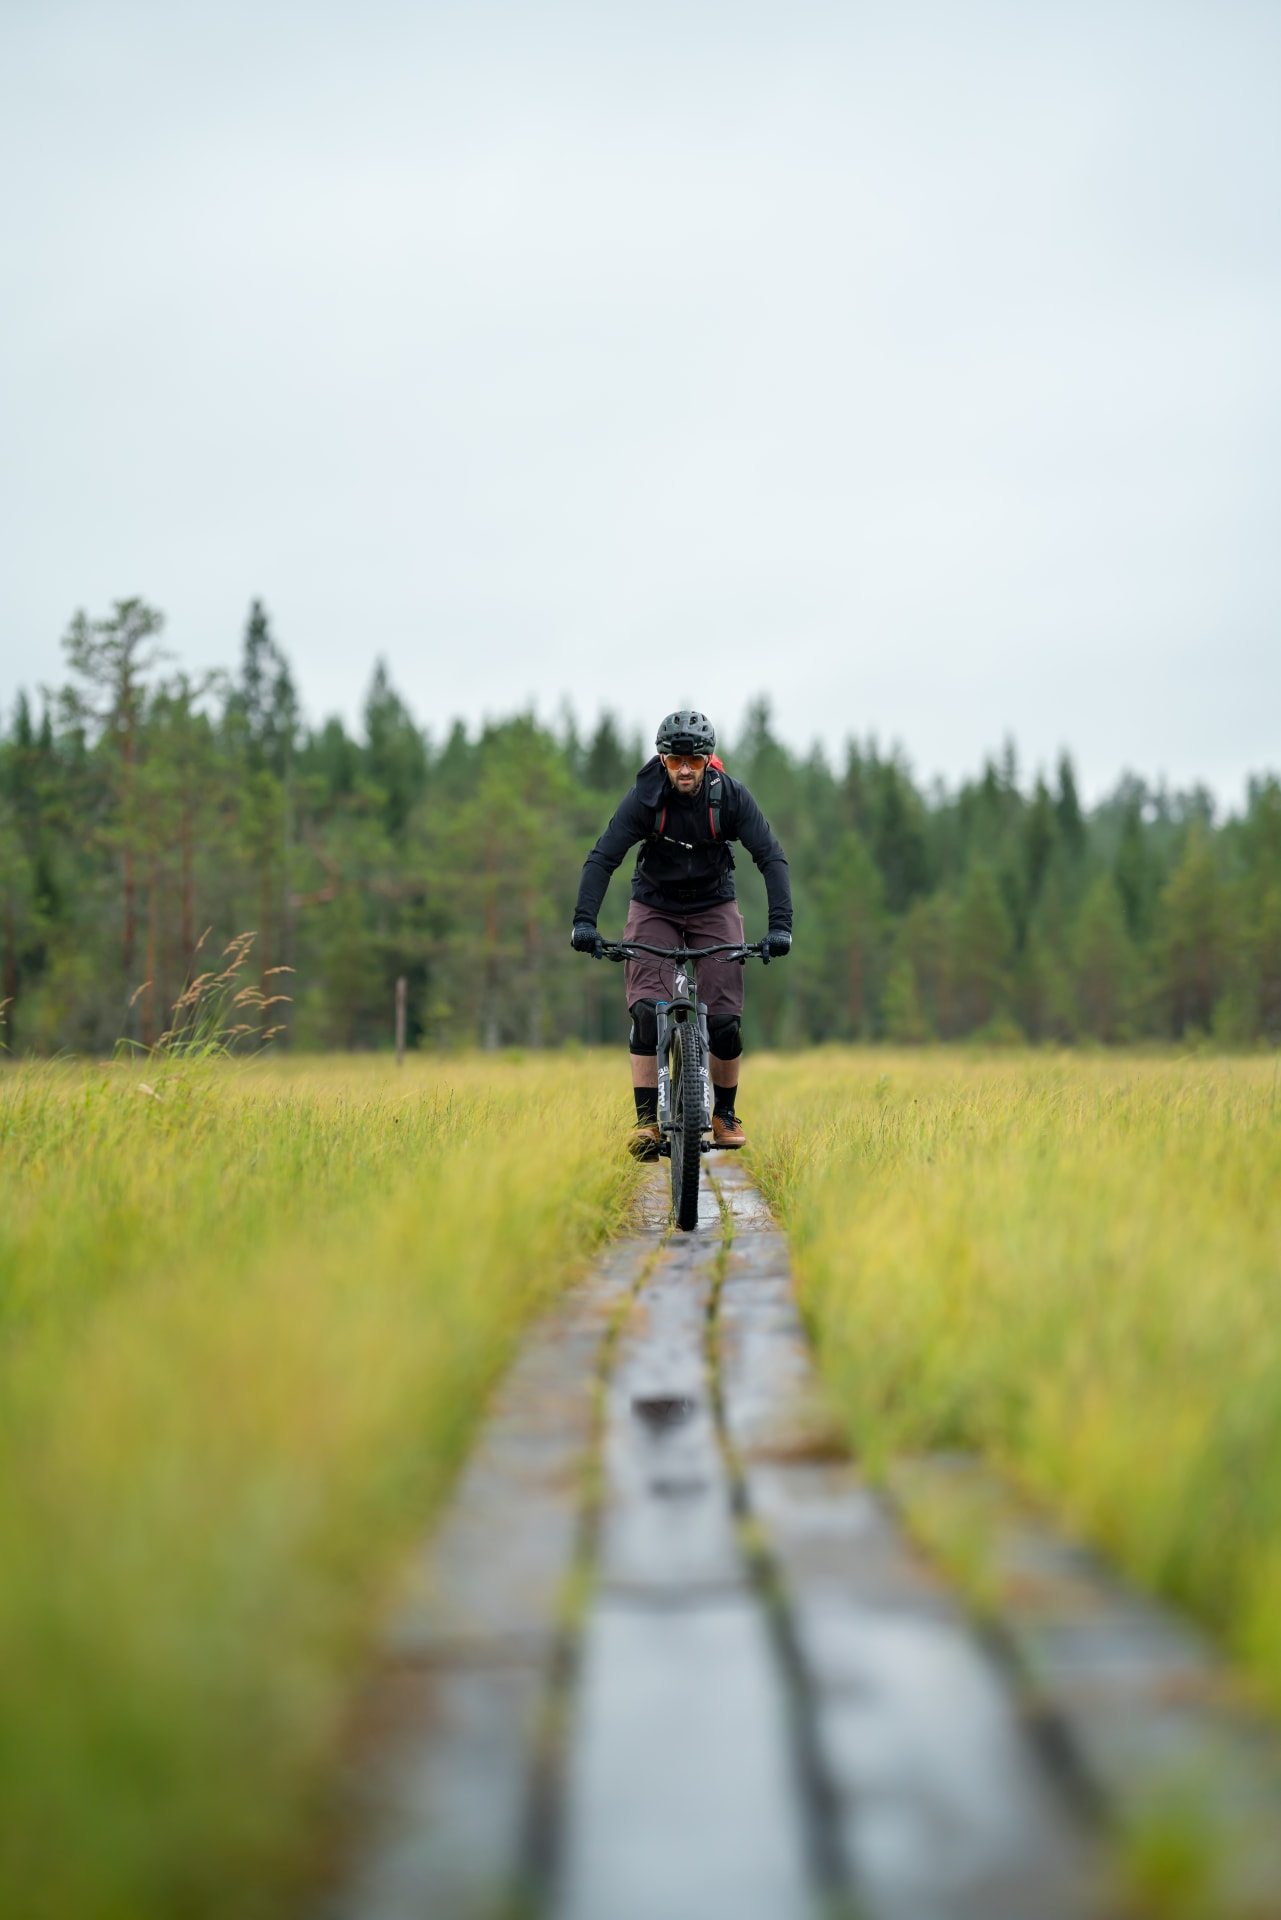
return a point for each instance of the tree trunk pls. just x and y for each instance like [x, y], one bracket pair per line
[188, 894]
[534, 1006]
[9, 995]
[130, 935]
[286, 906]
[854, 989]
[266, 1015]
[149, 991]
[164, 1004]
[491, 947]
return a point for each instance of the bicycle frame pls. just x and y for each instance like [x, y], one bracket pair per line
[685, 1007]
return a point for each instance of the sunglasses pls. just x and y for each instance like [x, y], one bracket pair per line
[694, 761]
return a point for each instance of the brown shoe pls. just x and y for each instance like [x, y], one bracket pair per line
[644, 1142]
[727, 1133]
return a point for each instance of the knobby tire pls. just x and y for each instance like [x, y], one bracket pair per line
[687, 1123]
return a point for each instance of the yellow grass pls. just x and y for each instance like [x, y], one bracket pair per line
[1071, 1264]
[248, 1318]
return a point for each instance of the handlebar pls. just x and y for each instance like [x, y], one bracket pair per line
[622, 949]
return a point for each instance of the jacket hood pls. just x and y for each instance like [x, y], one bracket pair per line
[652, 782]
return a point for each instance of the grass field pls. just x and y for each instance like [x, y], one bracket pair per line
[248, 1317]
[1072, 1265]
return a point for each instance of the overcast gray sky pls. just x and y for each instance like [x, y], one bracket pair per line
[916, 365]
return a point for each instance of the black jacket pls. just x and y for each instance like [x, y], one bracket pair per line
[686, 867]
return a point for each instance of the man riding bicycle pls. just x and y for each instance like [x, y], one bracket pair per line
[685, 809]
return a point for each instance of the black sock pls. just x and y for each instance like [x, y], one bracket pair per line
[646, 1106]
[724, 1101]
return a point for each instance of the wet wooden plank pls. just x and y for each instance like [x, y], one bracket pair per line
[941, 1805]
[1145, 1706]
[681, 1798]
[439, 1803]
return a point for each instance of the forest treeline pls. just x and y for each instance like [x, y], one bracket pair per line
[149, 817]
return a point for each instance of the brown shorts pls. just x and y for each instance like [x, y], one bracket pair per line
[720, 982]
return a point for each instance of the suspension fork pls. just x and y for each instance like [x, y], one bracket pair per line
[665, 1025]
[705, 1061]
[664, 1072]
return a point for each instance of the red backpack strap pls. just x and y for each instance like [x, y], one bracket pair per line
[714, 791]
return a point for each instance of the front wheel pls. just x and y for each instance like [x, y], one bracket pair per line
[687, 1122]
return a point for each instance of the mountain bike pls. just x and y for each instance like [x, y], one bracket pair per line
[684, 1072]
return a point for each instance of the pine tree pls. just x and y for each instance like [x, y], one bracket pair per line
[395, 752]
[1135, 873]
[902, 1011]
[1194, 936]
[1266, 966]
[984, 947]
[1104, 962]
[114, 657]
[1067, 810]
[266, 697]
[1040, 832]
[15, 889]
[606, 769]
[898, 840]
[839, 960]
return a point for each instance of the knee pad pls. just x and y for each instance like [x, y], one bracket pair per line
[644, 1034]
[725, 1035]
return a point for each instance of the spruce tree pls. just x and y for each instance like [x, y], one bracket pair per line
[1040, 831]
[984, 948]
[1194, 936]
[605, 769]
[1134, 872]
[1067, 810]
[1104, 962]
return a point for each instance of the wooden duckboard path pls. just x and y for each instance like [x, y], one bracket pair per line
[669, 1654]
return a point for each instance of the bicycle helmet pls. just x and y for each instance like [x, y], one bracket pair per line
[686, 731]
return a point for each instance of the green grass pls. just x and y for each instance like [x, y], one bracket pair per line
[249, 1316]
[248, 1319]
[1071, 1265]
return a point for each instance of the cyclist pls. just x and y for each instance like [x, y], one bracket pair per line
[685, 809]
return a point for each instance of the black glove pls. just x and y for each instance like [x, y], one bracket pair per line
[778, 941]
[585, 939]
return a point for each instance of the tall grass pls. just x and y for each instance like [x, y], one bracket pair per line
[1072, 1265]
[248, 1318]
